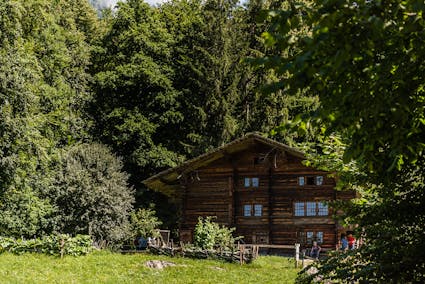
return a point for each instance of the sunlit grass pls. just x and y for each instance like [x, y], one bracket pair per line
[104, 267]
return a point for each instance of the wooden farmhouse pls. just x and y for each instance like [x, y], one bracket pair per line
[260, 187]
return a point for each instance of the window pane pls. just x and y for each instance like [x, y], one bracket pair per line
[299, 209]
[301, 180]
[309, 237]
[247, 210]
[258, 210]
[255, 182]
[319, 237]
[247, 182]
[323, 209]
[311, 208]
[319, 180]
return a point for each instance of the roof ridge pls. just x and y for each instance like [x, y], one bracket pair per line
[186, 166]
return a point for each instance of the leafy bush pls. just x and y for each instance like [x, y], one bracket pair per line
[51, 245]
[144, 223]
[91, 194]
[209, 235]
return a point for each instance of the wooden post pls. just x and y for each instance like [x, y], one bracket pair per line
[62, 247]
[297, 254]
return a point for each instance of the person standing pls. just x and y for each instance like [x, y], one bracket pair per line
[351, 241]
[344, 242]
[315, 250]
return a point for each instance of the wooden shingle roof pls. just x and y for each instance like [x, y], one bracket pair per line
[167, 181]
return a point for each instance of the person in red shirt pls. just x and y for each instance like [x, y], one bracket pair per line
[351, 241]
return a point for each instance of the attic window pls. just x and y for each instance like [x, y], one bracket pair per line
[310, 180]
[251, 182]
[301, 181]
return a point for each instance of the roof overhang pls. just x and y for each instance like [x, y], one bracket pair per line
[168, 181]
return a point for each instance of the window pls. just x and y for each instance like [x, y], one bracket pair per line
[311, 208]
[307, 238]
[251, 182]
[299, 208]
[322, 209]
[247, 210]
[310, 236]
[258, 210]
[319, 237]
[319, 180]
[310, 180]
[301, 181]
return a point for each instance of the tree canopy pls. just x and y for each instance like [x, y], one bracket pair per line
[365, 62]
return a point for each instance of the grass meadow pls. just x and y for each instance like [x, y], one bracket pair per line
[106, 267]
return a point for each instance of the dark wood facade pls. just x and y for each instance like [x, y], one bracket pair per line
[258, 186]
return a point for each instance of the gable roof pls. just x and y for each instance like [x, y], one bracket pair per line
[167, 181]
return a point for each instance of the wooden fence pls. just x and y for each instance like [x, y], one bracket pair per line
[242, 253]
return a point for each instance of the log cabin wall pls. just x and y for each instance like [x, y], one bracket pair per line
[208, 192]
[261, 188]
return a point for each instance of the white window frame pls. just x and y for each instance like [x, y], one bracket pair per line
[322, 209]
[319, 237]
[309, 237]
[317, 180]
[310, 209]
[251, 182]
[258, 210]
[247, 210]
[301, 181]
[299, 209]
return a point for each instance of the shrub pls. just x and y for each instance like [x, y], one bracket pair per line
[144, 223]
[91, 194]
[209, 235]
[51, 245]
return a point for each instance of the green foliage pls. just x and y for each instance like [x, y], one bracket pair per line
[44, 54]
[135, 106]
[210, 235]
[144, 223]
[56, 245]
[91, 194]
[365, 62]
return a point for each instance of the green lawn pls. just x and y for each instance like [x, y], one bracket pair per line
[104, 267]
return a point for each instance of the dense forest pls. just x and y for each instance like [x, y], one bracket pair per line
[93, 102]
[92, 105]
